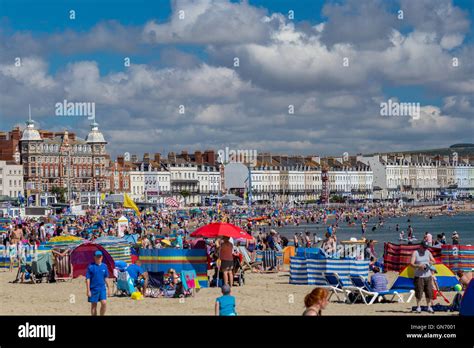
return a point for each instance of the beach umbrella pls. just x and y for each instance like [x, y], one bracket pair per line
[64, 242]
[220, 229]
[166, 242]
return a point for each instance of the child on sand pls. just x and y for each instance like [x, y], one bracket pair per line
[225, 305]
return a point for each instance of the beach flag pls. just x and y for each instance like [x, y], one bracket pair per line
[171, 202]
[129, 203]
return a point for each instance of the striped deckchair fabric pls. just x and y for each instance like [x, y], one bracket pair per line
[397, 256]
[309, 271]
[270, 258]
[63, 267]
[161, 260]
[458, 257]
[298, 270]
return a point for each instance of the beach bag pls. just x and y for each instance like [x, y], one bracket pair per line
[456, 304]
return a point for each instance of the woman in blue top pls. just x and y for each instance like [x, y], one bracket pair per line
[225, 305]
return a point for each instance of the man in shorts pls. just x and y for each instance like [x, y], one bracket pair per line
[96, 284]
[421, 260]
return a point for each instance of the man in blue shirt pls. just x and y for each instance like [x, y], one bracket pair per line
[138, 275]
[96, 283]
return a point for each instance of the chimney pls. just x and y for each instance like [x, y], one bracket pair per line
[134, 158]
[172, 157]
[198, 157]
[210, 157]
[157, 157]
[146, 157]
[121, 161]
[185, 156]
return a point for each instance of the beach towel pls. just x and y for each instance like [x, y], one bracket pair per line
[42, 263]
[189, 280]
[458, 257]
[397, 256]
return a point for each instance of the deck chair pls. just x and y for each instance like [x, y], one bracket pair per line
[124, 284]
[63, 269]
[269, 259]
[156, 283]
[247, 260]
[362, 289]
[334, 285]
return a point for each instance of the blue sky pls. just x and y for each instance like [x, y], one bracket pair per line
[83, 58]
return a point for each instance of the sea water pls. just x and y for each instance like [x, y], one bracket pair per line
[463, 223]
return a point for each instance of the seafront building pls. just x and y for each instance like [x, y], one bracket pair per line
[58, 160]
[35, 163]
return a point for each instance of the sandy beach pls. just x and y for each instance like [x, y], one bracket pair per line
[263, 294]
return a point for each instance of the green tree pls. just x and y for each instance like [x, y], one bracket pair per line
[185, 194]
[337, 199]
[60, 193]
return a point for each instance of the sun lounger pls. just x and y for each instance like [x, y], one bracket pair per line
[362, 289]
[335, 286]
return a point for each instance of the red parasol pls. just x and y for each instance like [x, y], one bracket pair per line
[220, 229]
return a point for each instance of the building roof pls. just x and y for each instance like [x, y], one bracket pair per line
[95, 136]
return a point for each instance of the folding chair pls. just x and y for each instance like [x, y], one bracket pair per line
[156, 283]
[63, 267]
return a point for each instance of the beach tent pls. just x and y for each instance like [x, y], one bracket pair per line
[288, 252]
[397, 256]
[445, 277]
[467, 302]
[118, 248]
[83, 256]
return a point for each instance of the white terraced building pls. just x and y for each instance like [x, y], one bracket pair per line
[419, 177]
[11, 179]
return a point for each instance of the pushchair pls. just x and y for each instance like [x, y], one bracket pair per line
[238, 271]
